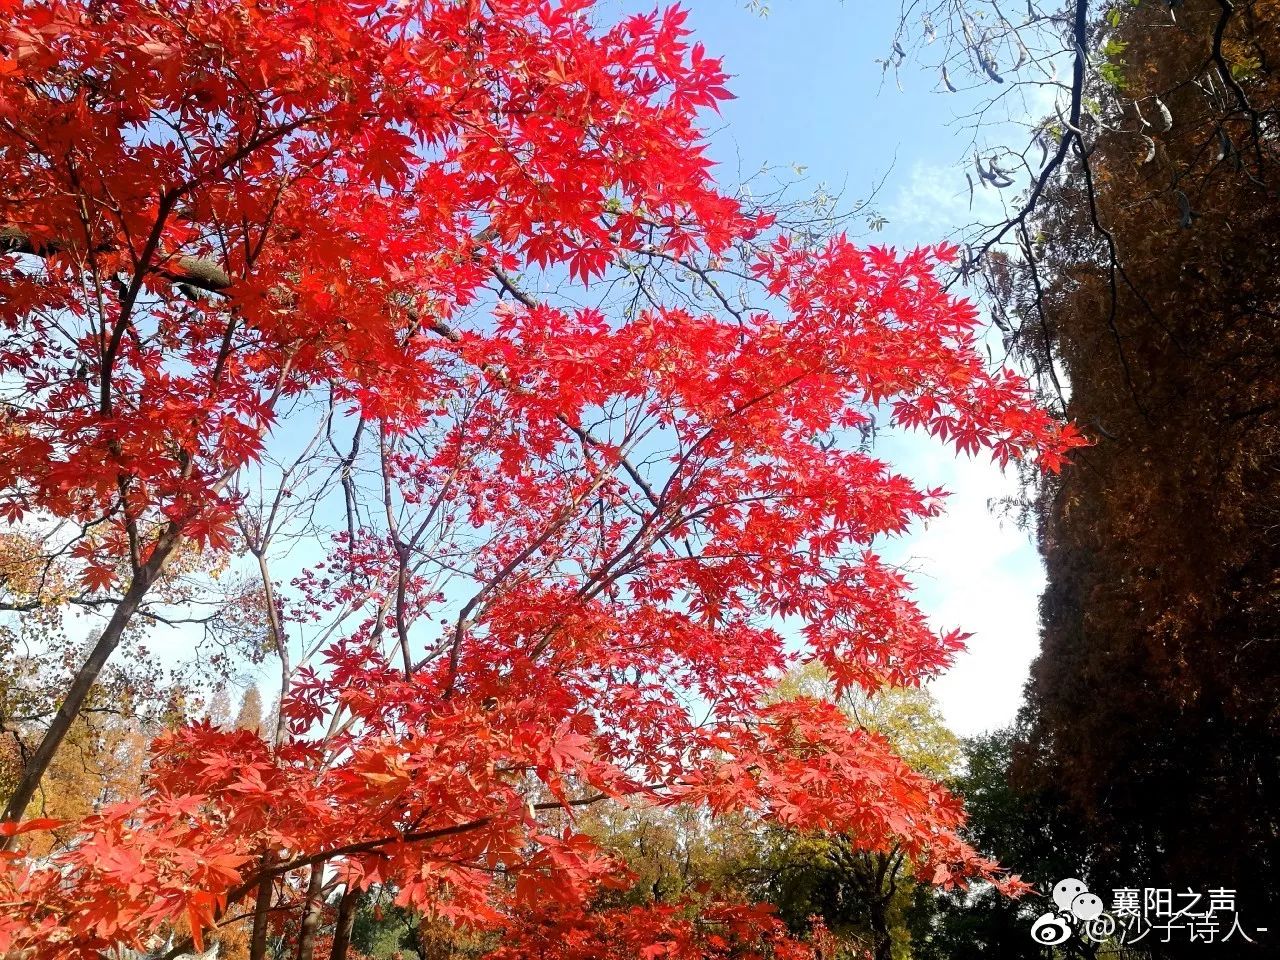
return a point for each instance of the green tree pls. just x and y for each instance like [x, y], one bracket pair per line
[681, 856]
[863, 896]
[1027, 830]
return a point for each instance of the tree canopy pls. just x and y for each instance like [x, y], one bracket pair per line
[446, 291]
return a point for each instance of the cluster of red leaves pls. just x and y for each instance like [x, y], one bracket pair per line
[356, 172]
[351, 168]
[658, 932]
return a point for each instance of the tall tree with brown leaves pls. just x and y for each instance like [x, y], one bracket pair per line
[1150, 287]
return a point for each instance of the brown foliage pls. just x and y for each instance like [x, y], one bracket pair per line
[1154, 286]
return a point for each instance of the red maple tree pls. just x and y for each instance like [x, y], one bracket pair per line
[573, 540]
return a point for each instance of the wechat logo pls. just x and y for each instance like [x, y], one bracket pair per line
[1078, 911]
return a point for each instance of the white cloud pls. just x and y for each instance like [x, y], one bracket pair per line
[936, 199]
[976, 571]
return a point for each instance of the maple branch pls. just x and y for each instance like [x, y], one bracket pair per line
[129, 297]
[442, 329]
[264, 878]
[206, 275]
[86, 676]
[510, 286]
[702, 273]
[197, 272]
[368, 846]
[584, 435]
[402, 557]
[533, 546]
[170, 538]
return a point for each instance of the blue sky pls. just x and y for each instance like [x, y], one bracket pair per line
[810, 92]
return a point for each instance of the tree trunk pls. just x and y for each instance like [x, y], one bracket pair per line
[881, 939]
[85, 678]
[311, 913]
[346, 920]
[261, 908]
